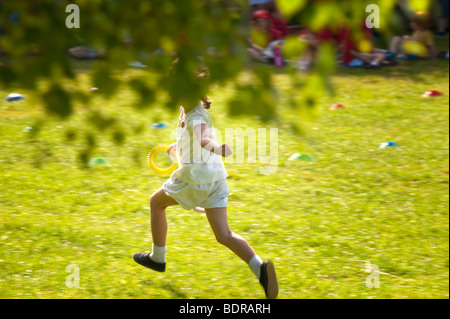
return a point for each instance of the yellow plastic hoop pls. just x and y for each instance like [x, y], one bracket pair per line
[160, 171]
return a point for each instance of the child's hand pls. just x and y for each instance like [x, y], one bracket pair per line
[226, 150]
[172, 149]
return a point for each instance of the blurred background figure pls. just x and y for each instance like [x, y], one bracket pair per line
[276, 17]
[420, 44]
[264, 37]
[268, 29]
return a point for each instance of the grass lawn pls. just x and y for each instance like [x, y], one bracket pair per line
[321, 222]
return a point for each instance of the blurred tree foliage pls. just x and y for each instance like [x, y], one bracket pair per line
[202, 33]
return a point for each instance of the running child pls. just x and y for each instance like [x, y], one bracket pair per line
[200, 184]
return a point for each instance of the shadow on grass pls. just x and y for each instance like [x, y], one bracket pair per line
[174, 291]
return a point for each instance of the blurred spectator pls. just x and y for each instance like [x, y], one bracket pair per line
[420, 44]
[256, 5]
[358, 50]
[314, 41]
[354, 49]
[266, 37]
[277, 19]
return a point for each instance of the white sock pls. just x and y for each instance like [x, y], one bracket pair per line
[255, 265]
[158, 254]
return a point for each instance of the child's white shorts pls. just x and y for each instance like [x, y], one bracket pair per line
[211, 195]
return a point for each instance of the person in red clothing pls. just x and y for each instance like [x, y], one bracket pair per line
[277, 19]
[353, 48]
[314, 42]
[263, 21]
[351, 52]
[265, 34]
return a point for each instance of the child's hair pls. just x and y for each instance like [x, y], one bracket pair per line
[207, 101]
[422, 19]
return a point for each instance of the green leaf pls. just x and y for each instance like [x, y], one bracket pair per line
[325, 60]
[104, 80]
[329, 13]
[419, 5]
[147, 96]
[259, 38]
[290, 7]
[249, 100]
[57, 102]
[100, 121]
[293, 47]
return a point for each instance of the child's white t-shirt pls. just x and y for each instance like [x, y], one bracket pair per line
[195, 164]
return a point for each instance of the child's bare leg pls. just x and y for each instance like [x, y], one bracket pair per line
[379, 57]
[395, 44]
[159, 201]
[156, 260]
[264, 271]
[218, 220]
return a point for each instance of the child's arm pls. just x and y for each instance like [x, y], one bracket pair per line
[172, 149]
[203, 135]
[257, 47]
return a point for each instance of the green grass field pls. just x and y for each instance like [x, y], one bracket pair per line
[321, 222]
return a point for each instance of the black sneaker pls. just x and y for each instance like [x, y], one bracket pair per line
[144, 260]
[268, 279]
